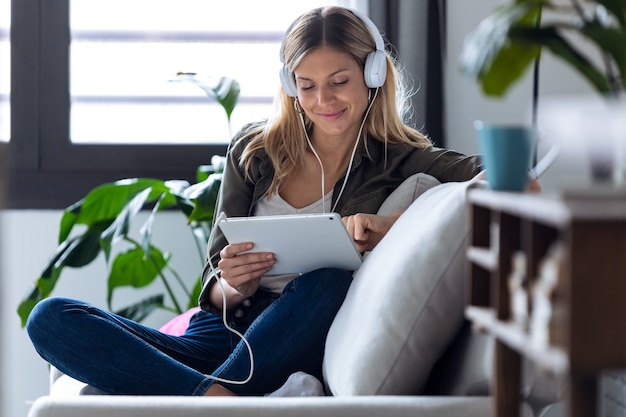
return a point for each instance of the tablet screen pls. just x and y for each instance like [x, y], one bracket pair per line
[300, 242]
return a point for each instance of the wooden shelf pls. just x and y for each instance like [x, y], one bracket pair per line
[483, 257]
[586, 303]
[550, 359]
[554, 209]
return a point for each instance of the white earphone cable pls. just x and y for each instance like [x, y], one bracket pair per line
[215, 273]
[356, 143]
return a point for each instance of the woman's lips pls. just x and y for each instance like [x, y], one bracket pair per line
[331, 116]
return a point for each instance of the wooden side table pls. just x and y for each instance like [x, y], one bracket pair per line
[587, 333]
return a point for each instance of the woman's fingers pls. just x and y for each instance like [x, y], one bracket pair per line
[242, 269]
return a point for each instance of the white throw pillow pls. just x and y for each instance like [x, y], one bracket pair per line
[407, 193]
[406, 302]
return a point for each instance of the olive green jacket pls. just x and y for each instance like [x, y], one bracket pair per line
[374, 176]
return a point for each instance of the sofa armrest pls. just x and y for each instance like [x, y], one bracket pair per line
[363, 406]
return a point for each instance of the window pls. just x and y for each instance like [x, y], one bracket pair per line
[92, 98]
[5, 20]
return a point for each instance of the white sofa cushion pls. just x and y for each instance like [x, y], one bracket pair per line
[407, 193]
[406, 302]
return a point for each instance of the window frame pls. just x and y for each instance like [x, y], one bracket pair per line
[46, 170]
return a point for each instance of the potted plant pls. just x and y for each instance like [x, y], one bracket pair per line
[507, 42]
[103, 219]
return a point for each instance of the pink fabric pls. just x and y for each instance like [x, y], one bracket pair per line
[178, 324]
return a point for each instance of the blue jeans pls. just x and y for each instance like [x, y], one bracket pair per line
[120, 356]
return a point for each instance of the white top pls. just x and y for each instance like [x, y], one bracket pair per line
[277, 206]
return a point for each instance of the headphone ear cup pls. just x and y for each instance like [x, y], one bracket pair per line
[288, 82]
[375, 70]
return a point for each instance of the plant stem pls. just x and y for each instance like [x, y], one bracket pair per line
[614, 79]
[535, 99]
[168, 288]
[199, 245]
[170, 309]
[179, 280]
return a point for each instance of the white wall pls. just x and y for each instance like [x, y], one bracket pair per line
[28, 237]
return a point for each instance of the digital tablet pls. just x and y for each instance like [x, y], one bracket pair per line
[300, 242]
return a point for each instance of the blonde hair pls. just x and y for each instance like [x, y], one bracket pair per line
[282, 136]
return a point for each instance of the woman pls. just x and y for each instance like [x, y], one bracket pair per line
[336, 143]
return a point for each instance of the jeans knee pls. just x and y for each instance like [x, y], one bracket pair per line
[324, 282]
[332, 278]
[45, 315]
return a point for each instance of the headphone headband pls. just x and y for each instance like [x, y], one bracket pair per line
[378, 39]
[374, 72]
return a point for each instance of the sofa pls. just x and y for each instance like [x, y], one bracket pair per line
[399, 346]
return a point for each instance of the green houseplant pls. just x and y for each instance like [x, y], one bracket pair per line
[510, 40]
[103, 219]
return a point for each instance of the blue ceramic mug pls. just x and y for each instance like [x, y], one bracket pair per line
[506, 152]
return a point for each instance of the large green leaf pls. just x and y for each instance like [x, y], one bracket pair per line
[548, 37]
[491, 57]
[107, 201]
[508, 66]
[75, 252]
[140, 310]
[178, 192]
[84, 249]
[40, 290]
[204, 195]
[60, 254]
[174, 187]
[610, 40]
[136, 269]
[121, 225]
[217, 165]
[483, 45]
[68, 220]
[146, 231]
[25, 307]
[224, 90]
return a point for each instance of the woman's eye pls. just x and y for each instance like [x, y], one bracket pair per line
[341, 82]
[306, 87]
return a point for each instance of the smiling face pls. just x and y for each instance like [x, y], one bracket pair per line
[332, 92]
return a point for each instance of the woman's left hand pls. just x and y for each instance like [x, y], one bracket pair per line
[532, 185]
[367, 230]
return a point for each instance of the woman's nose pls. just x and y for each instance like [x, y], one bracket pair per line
[324, 95]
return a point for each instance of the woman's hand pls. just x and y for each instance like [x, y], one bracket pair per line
[243, 270]
[241, 274]
[532, 185]
[368, 229]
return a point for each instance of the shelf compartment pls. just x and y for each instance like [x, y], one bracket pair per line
[551, 359]
[483, 257]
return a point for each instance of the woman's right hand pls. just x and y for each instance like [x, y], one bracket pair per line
[242, 270]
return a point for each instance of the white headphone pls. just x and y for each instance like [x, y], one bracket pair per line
[375, 69]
